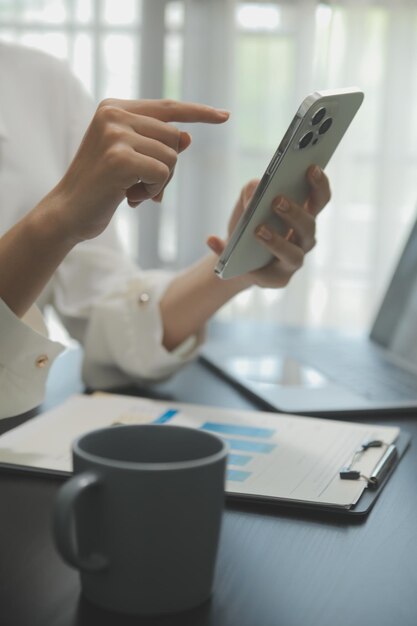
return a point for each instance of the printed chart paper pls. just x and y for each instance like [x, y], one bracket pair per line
[271, 455]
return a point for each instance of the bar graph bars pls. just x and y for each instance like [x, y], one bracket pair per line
[165, 417]
[245, 443]
[235, 429]
[242, 438]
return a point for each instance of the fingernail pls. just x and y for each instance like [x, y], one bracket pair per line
[264, 233]
[223, 112]
[282, 205]
[289, 234]
[316, 173]
[214, 246]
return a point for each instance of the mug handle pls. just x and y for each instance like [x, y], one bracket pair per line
[64, 526]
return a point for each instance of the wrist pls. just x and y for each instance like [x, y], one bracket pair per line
[227, 288]
[31, 251]
[49, 221]
[48, 227]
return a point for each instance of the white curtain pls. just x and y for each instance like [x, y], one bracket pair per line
[259, 59]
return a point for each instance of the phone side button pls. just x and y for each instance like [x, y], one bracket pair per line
[273, 166]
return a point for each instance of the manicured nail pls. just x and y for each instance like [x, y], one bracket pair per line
[289, 235]
[264, 233]
[282, 205]
[316, 173]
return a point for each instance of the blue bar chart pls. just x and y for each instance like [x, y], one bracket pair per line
[236, 429]
[245, 443]
[165, 417]
[251, 440]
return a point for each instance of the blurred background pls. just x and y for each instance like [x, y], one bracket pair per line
[258, 60]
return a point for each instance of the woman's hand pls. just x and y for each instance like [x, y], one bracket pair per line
[288, 251]
[129, 150]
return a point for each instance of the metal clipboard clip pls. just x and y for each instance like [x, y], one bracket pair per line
[380, 471]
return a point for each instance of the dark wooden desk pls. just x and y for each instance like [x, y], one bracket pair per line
[275, 567]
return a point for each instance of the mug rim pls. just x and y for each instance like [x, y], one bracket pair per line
[149, 465]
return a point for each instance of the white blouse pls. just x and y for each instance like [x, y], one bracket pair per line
[104, 300]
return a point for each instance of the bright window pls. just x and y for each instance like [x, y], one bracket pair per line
[259, 59]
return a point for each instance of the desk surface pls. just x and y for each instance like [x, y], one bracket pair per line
[275, 567]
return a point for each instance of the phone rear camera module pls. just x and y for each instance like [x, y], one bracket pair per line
[325, 126]
[305, 140]
[318, 116]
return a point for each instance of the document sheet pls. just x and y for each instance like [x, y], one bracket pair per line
[271, 455]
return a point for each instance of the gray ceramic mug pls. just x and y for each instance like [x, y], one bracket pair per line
[141, 516]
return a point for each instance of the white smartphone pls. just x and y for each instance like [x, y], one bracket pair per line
[312, 137]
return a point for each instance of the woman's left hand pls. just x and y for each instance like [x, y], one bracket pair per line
[288, 251]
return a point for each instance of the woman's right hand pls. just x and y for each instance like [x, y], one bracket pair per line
[129, 150]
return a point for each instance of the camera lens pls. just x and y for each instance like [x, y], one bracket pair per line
[318, 116]
[325, 126]
[305, 140]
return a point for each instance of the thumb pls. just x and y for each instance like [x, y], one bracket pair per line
[216, 244]
[136, 194]
[184, 141]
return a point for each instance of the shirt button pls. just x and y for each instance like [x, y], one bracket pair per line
[42, 360]
[144, 298]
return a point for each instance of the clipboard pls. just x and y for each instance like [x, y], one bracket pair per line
[276, 459]
[359, 510]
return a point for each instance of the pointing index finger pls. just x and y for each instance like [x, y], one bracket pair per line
[174, 111]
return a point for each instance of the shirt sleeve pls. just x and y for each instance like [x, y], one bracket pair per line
[26, 356]
[112, 308]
